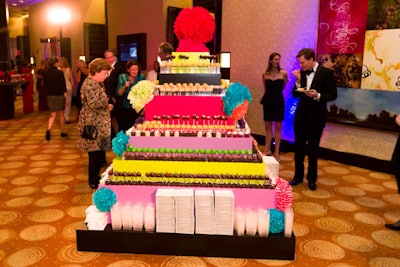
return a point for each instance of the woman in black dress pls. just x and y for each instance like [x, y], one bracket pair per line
[274, 80]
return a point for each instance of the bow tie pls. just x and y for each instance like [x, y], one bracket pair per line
[308, 72]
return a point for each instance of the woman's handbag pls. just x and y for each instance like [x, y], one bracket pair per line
[89, 132]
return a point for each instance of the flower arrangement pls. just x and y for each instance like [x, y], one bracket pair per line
[104, 198]
[194, 27]
[236, 101]
[284, 194]
[119, 143]
[276, 221]
[141, 94]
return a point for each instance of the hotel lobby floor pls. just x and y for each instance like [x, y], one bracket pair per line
[44, 195]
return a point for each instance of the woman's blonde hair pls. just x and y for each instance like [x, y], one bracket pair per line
[97, 65]
[64, 62]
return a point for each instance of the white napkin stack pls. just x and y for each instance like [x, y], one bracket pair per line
[184, 211]
[224, 212]
[204, 210]
[271, 168]
[95, 219]
[165, 210]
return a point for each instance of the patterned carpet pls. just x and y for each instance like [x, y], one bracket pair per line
[44, 195]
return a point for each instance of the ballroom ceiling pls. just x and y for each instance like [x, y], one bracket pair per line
[18, 8]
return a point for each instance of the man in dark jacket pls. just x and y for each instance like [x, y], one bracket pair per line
[315, 86]
[111, 84]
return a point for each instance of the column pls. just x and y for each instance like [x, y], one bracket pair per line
[4, 37]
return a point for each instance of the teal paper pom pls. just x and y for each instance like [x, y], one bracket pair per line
[104, 198]
[276, 221]
[235, 96]
[119, 143]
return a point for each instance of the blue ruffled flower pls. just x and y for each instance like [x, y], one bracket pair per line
[276, 221]
[104, 198]
[234, 96]
[119, 143]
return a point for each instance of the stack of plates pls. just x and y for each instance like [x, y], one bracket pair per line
[263, 222]
[116, 216]
[184, 211]
[240, 221]
[127, 216]
[137, 217]
[165, 210]
[149, 218]
[204, 209]
[271, 168]
[251, 222]
[224, 212]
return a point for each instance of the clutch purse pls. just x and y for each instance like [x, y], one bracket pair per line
[89, 132]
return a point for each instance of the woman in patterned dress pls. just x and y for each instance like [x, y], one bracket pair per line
[95, 111]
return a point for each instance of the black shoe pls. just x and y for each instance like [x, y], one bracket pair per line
[64, 134]
[312, 186]
[394, 226]
[93, 186]
[68, 122]
[48, 135]
[295, 182]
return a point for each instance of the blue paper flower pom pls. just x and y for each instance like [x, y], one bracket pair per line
[276, 221]
[235, 96]
[104, 198]
[119, 143]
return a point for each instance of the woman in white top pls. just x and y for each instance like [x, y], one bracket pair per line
[64, 66]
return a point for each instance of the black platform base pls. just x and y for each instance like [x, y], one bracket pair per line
[251, 247]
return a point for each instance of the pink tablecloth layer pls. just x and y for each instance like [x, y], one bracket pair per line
[253, 198]
[239, 143]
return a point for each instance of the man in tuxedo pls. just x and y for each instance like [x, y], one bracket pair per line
[315, 86]
[396, 171]
[111, 84]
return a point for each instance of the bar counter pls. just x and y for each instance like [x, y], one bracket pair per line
[7, 89]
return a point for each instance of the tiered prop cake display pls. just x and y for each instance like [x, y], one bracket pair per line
[197, 142]
[191, 167]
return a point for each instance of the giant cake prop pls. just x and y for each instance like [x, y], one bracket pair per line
[191, 171]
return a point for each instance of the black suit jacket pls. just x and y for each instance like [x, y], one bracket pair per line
[312, 111]
[54, 82]
[111, 82]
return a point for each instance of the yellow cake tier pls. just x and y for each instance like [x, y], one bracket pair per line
[195, 167]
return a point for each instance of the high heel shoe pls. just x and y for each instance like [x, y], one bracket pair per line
[268, 153]
[277, 157]
[48, 135]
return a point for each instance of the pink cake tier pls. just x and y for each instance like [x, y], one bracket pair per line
[186, 106]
